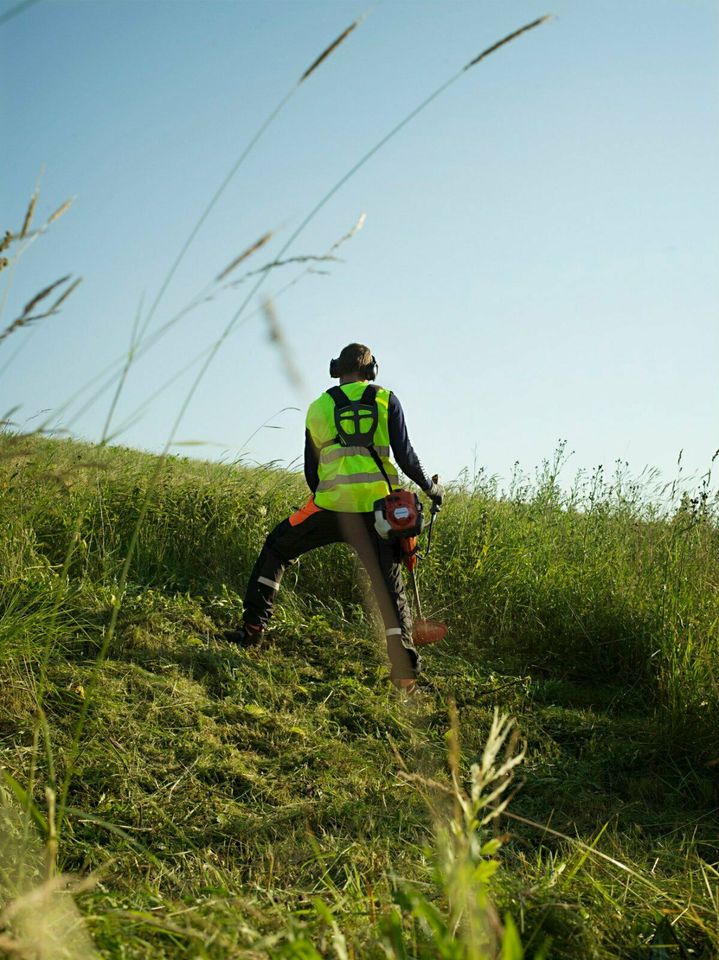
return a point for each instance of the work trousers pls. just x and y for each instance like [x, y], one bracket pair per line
[312, 527]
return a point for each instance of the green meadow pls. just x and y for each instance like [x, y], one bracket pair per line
[192, 799]
[550, 793]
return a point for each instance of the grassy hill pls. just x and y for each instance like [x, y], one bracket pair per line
[283, 801]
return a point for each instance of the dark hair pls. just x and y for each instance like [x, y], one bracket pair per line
[354, 358]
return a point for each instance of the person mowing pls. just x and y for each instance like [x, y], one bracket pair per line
[350, 432]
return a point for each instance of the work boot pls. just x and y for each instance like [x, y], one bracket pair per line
[248, 635]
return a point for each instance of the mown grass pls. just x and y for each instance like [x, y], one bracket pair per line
[281, 800]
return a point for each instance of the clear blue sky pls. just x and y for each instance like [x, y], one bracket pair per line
[539, 259]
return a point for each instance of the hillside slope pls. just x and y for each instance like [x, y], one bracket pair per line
[279, 801]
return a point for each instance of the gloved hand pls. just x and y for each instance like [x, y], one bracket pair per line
[436, 493]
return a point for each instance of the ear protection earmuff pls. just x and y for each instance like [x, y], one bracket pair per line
[369, 371]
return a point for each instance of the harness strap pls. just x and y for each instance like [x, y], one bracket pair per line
[377, 459]
[369, 395]
[339, 396]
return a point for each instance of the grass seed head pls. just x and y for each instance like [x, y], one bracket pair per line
[257, 245]
[31, 304]
[328, 50]
[277, 337]
[63, 208]
[26, 317]
[65, 294]
[508, 39]
[29, 215]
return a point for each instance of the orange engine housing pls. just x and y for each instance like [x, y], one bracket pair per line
[409, 552]
[399, 514]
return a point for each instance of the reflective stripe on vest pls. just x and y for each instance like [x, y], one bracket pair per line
[340, 481]
[334, 453]
[349, 478]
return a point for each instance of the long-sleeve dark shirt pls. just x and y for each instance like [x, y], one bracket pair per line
[402, 450]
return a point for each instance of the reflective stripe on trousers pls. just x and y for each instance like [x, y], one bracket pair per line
[381, 559]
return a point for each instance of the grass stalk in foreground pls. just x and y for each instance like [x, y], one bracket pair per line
[239, 313]
[323, 201]
[20, 240]
[264, 126]
[150, 341]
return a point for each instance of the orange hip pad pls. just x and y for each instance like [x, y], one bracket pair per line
[304, 513]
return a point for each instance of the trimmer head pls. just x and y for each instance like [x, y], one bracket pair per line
[428, 631]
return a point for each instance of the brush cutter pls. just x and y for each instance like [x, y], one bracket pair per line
[401, 516]
[423, 631]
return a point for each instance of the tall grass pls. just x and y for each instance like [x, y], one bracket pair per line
[594, 585]
[512, 599]
[613, 578]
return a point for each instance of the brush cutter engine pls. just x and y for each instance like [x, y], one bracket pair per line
[400, 514]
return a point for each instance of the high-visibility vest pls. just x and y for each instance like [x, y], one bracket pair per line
[350, 479]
